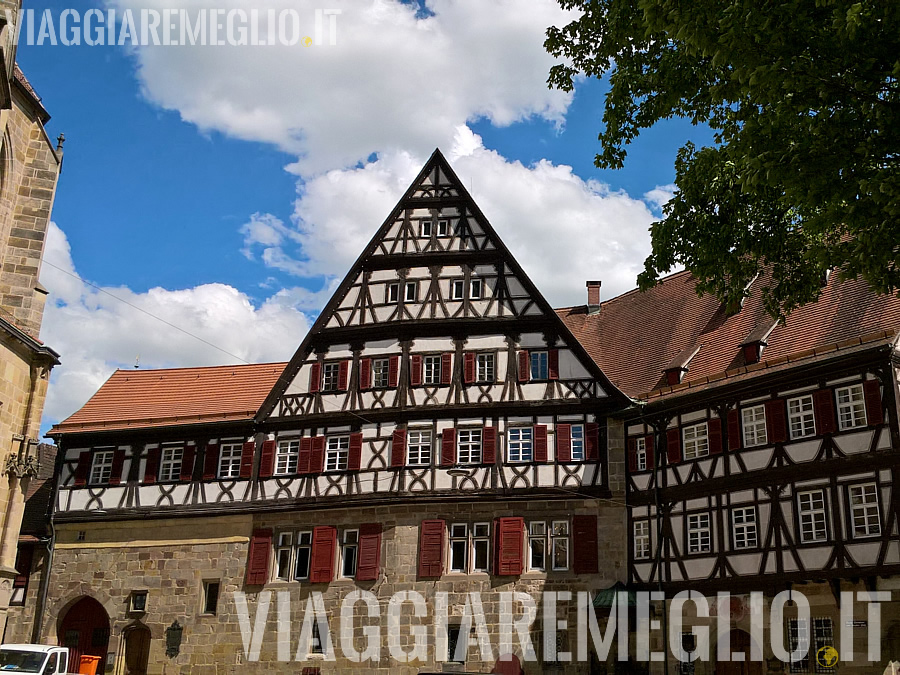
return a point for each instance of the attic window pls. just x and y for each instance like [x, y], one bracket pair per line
[675, 375]
[752, 352]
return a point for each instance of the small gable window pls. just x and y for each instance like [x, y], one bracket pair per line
[475, 289]
[457, 289]
[443, 228]
[539, 365]
[101, 467]
[412, 291]
[425, 228]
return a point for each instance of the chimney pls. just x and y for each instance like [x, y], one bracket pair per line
[593, 291]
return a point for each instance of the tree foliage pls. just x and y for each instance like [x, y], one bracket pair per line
[804, 101]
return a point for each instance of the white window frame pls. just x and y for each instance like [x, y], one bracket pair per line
[539, 365]
[520, 444]
[349, 553]
[851, 407]
[695, 440]
[331, 376]
[230, 453]
[425, 228]
[101, 466]
[481, 540]
[419, 447]
[812, 512]
[537, 541]
[457, 289]
[381, 373]
[443, 227]
[753, 423]
[576, 442]
[337, 453]
[287, 456]
[744, 528]
[799, 638]
[699, 528]
[431, 369]
[476, 289]
[640, 454]
[411, 291]
[865, 511]
[170, 460]
[284, 557]
[559, 541]
[392, 294]
[801, 417]
[642, 543]
[469, 442]
[486, 367]
[459, 533]
[303, 543]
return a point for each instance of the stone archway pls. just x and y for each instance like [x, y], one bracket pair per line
[137, 649]
[740, 642]
[84, 629]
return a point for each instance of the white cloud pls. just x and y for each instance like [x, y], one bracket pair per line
[95, 333]
[393, 81]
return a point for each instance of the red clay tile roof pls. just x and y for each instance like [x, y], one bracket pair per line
[636, 335]
[132, 399]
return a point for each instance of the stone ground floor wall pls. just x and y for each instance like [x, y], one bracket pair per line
[172, 559]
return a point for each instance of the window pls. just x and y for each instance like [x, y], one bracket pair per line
[485, 371]
[101, 466]
[459, 547]
[743, 527]
[393, 294]
[337, 450]
[230, 460]
[425, 228]
[481, 546]
[315, 640]
[283, 555]
[559, 544]
[170, 463]
[292, 556]
[286, 457]
[641, 453]
[419, 447]
[641, 539]
[577, 442]
[696, 441]
[475, 289]
[453, 635]
[851, 407]
[812, 516]
[798, 635]
[331, 379]
[302, 557]
[349, 550]
[443, 228]
[210, 597]
[411, 291]
[138, 601]
[864, 509]
[537, 546]
[754, 420]
[457, 289]
[521, 444]
[470, 547]
[801, 419]
[381, 372]
[431, 370]
[699, 536]
[539, 366]
[468, 446]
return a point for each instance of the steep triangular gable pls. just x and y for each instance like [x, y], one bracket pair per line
[435, 265]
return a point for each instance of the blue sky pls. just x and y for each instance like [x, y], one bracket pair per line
[223, 188]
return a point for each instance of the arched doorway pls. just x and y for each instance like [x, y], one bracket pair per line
[740, 642]
[137, 649]
[85, 630]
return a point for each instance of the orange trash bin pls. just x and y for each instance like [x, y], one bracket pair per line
[88, 664]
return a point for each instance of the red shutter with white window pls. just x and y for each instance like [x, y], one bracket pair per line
[649, 451]
[673, 445]
[315, 377]
[365, 374]
[317, 455]
[324, 546]
[393, 371]
[446, 368]
[398, 448]
[509, 546]
[369, 560]
[118, 463]
[247, 459]
[540, 443]
[415, 370]
[524, 366]
[714, 429]
[553, 364]
[267, 459]
[187, 463]
[151, 468]
[303, 457]
[563, 442]
[489, 445]
[343, 375]
[776, 422]
[585, 550]
[469, 367]
[258, 557]
[83, 468]
[592, 442]
[874, 410]
[448, 447]
[211, 462]
[823, 406]
[734, 429]
[431, 548]
[354, 455]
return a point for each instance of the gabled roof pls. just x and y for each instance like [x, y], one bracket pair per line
[635, 336]
[134, 399]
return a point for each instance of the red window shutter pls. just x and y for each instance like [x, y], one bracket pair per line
[469, 367]
[315, 377]
[354, 455]
[489, 445]
[776, 422]
[632, 455]
[118, 463]
[823, 406]
[151, 468]
[553, 364]
[673, 445]
[211, 462]
[431, 548]
[415, 370]
[83, 468]
[650, 450]
[446, 368]
[247, 459]
[343, 375]
[304, 455]
[187, 462]
[317, 455]
[448, 447]
[734, 429]
[509, 547]
[874, 410]
[393, 371]
[258, 557]
[540, 443]
[369, 560]
[398, 448]
[585, 552]
[714, 428]
[365, 374]
[267, 459]
[563, 442]
[524, 367]
[324, 545]
[592, 442]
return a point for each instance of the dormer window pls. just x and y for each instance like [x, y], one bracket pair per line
[752, 352]
[675, 375]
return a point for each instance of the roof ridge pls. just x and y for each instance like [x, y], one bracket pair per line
[189, 368]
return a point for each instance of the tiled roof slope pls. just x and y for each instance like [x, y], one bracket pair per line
[147, 398]
[635, 336]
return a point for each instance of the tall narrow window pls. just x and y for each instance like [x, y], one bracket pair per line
[459, 547]
[851, 407]
[101, 467]
[743, 527]
[801, 418]
[468, 443]
[283, 556]
[864, 508]
[559, 544]
[443, 229]
[537, 546]
[331, 376]
[337, 453]
[812, 516]
[302, 557]
[286, 457]
[431, 370]
[315, 640]
[411, 294]
[457, 289]
[425, 228]
[349, 550]
[696, 441]
[486, 370]
[170, 463]
[481, 546]
[230, 460]
[476, 288]
[641, 539]
[419, 447]
[380, 372]
[210, 597]
[699, 536]
[539, 365]
[577, 442]
[754, 423]
[641, 453]
[521, 444]
[455, 650]
[392, 297]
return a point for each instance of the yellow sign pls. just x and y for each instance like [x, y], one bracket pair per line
[827, 657]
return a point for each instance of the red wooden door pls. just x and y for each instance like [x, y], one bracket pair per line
[85, 630]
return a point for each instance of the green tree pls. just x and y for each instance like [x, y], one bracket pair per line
[803, 99]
